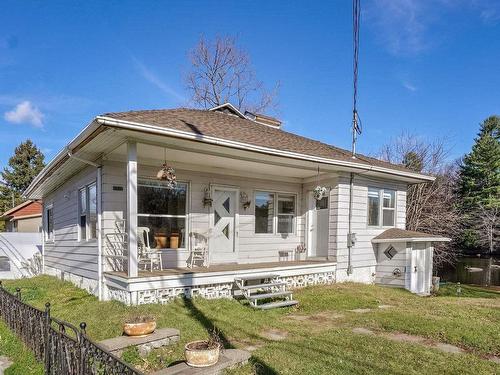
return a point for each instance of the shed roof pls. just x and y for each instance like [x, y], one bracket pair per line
[402, 235]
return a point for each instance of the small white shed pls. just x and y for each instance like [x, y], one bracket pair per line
[404, 259]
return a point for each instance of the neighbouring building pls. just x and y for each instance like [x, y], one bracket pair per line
[144, 206]
[24, 218]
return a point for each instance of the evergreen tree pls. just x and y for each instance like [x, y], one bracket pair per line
[479, 189]
[24, 165]
[479, 183]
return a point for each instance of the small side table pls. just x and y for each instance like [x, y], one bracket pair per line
[285, 255]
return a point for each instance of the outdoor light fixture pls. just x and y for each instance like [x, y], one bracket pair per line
[167, 173]
[207, 198]
[245, 202]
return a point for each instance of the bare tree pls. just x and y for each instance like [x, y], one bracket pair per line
[430, 207]
[221, 72]
[488, 220]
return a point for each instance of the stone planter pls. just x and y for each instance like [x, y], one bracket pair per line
[139, 329]
[198, 354]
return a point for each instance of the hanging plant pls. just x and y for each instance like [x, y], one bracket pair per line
[320, 192]
[167, 173]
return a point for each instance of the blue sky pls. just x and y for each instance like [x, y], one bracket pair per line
[431, 68]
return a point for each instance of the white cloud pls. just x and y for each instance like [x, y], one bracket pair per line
[25, 112]
[409, 86]
[152, 78]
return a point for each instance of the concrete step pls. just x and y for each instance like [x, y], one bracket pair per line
[272, 305]
[269, 295]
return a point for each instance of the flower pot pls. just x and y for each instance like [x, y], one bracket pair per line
[198, 354]
[161, 240]
[174, 241]
[139, 329]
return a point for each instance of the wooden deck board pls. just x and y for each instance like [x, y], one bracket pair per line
[220, 268]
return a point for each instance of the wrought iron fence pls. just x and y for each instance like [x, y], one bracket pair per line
[64, 349]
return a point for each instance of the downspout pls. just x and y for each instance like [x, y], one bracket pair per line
[350, 239]
[99, 217]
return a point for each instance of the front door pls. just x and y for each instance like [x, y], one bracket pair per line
[318, 227]
[223, 237]
[421, 268]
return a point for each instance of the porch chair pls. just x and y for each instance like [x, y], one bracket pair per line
[147, 256]
[199, 249]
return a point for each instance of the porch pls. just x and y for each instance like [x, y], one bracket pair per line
[216, 281]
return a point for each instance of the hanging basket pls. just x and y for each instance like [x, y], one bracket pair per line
[320, 192]
[167, 173]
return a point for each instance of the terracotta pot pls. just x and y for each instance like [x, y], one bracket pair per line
[161, 240]
[200, 357]
[174, 241]
[139, 329]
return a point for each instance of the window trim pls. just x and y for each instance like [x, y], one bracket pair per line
[276, 195]
[86, 189]
[381, 208]
[185, 216]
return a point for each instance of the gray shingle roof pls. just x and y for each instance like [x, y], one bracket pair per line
[233, 128]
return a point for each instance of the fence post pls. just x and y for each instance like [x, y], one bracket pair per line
[47, 338]
[83, 327]
[18, 293]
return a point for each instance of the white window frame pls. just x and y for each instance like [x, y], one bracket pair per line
[185, 216]
[381, 192]
[48, 237]
[86, 190]
[276, 195]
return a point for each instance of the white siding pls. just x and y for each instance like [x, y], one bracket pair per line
[386, 266]
[363, 255]
[66, 253]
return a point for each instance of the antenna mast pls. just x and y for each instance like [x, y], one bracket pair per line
[356, 122]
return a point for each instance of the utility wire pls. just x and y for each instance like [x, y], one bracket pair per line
[356, 121]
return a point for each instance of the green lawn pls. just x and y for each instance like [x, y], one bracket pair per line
[319, 332]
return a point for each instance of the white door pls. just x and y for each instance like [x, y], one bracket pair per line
[421, 268]
[318, 227]
[223, 237]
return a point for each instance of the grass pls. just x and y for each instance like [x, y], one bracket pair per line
[323, 343]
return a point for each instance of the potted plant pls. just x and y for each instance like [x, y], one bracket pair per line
[300, 252]
[204, 353]
[139, 325]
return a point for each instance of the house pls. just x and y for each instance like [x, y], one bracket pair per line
[139, 197]
[24, 218]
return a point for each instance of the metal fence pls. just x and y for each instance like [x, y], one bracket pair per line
[62, 347]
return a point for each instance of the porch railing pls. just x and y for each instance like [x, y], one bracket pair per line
[62, 347]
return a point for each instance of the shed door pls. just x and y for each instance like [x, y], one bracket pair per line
[421, 268]
[224, 226]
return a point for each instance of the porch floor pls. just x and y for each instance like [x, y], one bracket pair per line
[220, 268]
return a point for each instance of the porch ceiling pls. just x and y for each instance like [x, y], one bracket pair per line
[200, 158]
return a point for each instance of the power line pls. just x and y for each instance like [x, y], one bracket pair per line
[356, 121]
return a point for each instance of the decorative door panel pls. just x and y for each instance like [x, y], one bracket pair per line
[223, 236]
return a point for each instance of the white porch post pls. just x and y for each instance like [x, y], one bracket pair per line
[132, 208]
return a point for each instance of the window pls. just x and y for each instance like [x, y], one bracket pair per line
[381, 214]
[164, 212]
[49, 224]
[87, 212]
[286, 213]
[390, 252]
[322, 204]
[266, 211]
[4, 264]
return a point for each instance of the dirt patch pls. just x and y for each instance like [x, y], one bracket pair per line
[448, 348]
[247, 345]
[363, 331]
[385, 306]
[274, 334]
[403, 337]
[318, 322]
